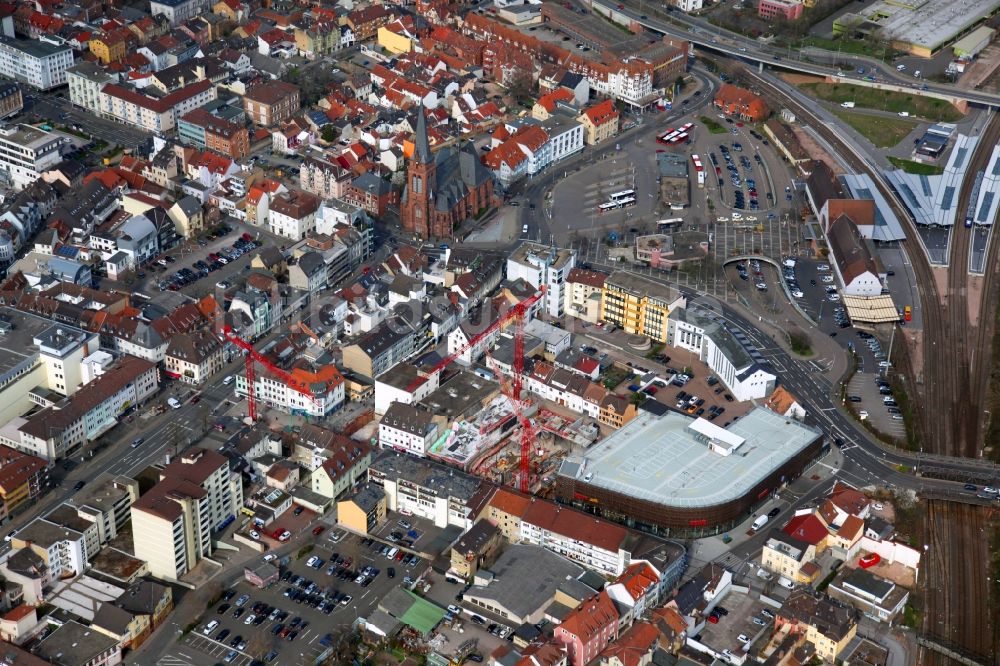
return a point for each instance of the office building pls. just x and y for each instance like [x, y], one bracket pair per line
[35, 63]
[26, 151]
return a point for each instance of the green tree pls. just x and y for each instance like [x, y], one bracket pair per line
[329, 134]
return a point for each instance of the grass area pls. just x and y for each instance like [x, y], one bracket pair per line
[909, 166]
[848, 46]
[305, 550]
[713, 127]
[825, 583]
[615, 376]
[881, 131]
[884, 100]
[799, 343]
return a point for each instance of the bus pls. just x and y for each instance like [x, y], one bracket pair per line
[624, 194]
[686, 128]
[680, 138]
[605, 207]
[697, 163]
[671, 224]
[625, 203]
[667, 136]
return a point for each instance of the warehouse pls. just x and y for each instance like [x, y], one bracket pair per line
[682, 476]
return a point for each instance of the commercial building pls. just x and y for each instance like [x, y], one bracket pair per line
[852, 260]
[740, 369]
[25, 152]
[172, 524]
[786, 9]
[392, 342]
[876, 597]
[425, 489]
[193, 357]
[545, 267]
[639, 305]
[73, 644]
[315, 390]
[675, 474]
[742, 103]
[675, 183]
[35, 63]
[60, 430]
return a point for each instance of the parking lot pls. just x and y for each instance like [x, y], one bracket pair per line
[867, 398]
[193, 262]
[316, 596]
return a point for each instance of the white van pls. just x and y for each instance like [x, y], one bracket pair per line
[760, 522]
[784, 582]
[900, 68]
[228, 380]
[392, 553]
[210, 627]
[174, 403]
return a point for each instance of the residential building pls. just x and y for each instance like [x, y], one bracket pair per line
[336, 463]
[584, 290]
[193, 357]
[73, 644]
[876, 597]
[178, 11]
[545, 268]
[144, 597]
[188, 216]
[588, 629]
[22, 478]
[108, 48]
[743, 104]
[325, 179]
[789, 10]
[11, 99]
[293, 214]
[315, 390]
[425, 489]
[60, 430]
[826, 624]
[390, 343]
[85, 83]
[639, 305]
[476, 549]
[363, 511]
[742, 373]
[637, 590]
[600, 122]
[172, 524]
[206, 130]
[790, 557]
[852, 263]
[158, 113]
[64, 550]
[442, 190]
[407, 428]
[106, 502]
[270, 103]
[35, 63]
[25, 152]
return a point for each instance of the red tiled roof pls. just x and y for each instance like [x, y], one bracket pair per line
[575, 525]
[591, 617]
[602, 113]
[161, 104]
[807, 528]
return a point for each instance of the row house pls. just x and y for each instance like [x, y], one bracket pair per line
[316, 38]
[193, 357]
[372, 193]
[269, 103]
[364, 23]
[293, 214]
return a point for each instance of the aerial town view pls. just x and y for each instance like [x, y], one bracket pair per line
[502, 332]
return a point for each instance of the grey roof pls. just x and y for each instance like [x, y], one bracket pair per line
[408, 418]
[671, 165]
[438, 479]
[478, 536]
[73, 644]
[142, 597]
[422, 149]
[112, 618]
[719, 334]
[869, 583]
[664, 460]
[525, 578]
[368, 496]
[34, 47]
[189, 205]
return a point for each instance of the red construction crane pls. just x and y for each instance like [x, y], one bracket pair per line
[516, 314]
[253, 355]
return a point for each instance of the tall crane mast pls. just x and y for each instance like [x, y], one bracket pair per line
[515, 314]
[252, 356]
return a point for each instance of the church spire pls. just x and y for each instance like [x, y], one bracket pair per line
[422, 149]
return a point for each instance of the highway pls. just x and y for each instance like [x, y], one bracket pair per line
[706, 36]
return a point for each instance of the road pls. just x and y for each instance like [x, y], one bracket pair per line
[710, 37]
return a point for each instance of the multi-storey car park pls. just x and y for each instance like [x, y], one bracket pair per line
[677, 475]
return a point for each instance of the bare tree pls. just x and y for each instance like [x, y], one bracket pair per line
[259, 643]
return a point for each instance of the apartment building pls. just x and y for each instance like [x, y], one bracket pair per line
[172, 524]
[22, 478]
[25, 152]
[600, 122]
[293, 214]
[324, 178]
[178, 11]
[423, 488]
[639, 305]
[270, 103]
[392, 342]
[35, 63]
[61, 429]
[85, 83]
[545, 267]
[64, 550]
[193, 357]
[106, 502]
[315, 390]
[157, 113]
[826, 624]
[363, 511]
[407, 428]
[588, 629]
[206, 130]
[584, 289]
[11, 99]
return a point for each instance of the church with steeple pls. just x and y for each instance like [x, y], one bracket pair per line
[443, 189]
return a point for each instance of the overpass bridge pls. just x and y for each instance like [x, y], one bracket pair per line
[711, 38]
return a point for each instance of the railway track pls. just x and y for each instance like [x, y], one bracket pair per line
[956, 561]
[956, 351]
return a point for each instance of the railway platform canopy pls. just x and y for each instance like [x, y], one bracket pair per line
[933, 200]
[887, 226]
[871, 309]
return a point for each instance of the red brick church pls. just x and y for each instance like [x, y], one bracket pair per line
[444, 189]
